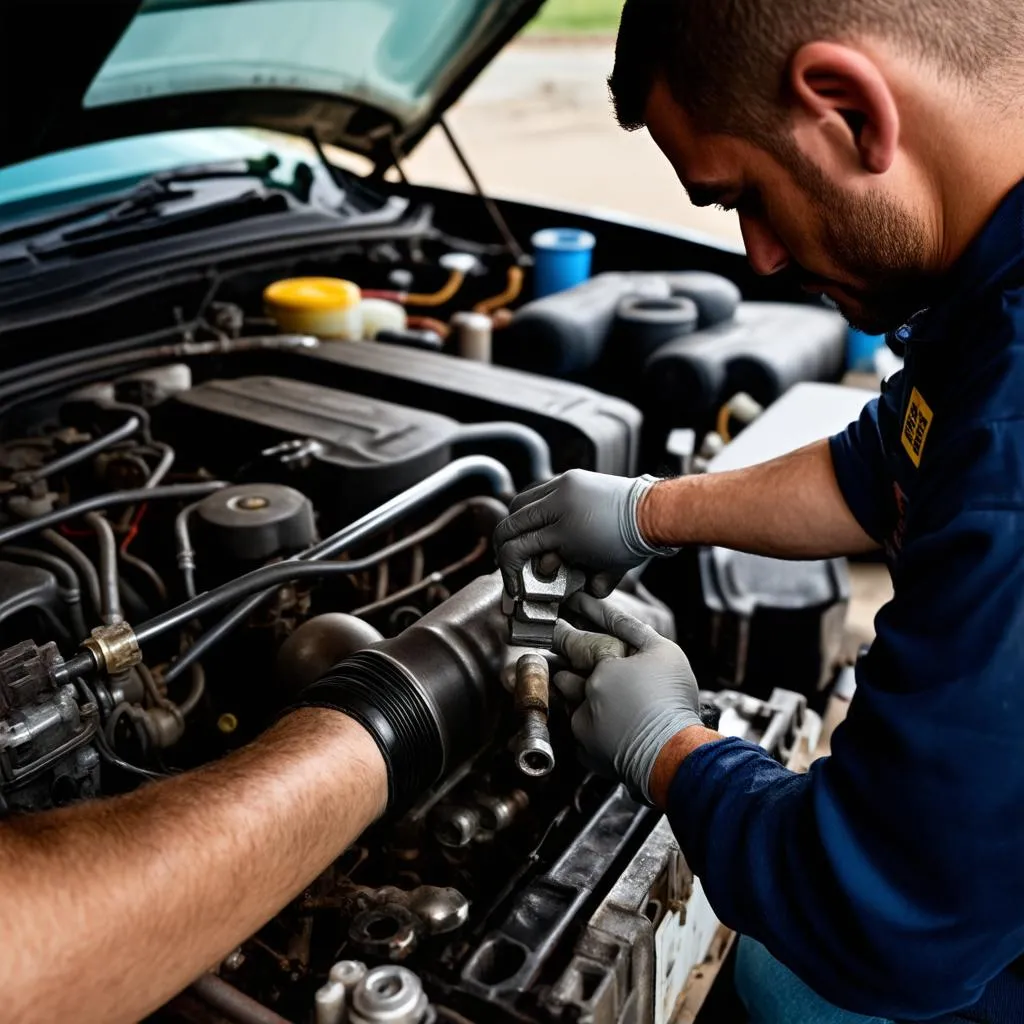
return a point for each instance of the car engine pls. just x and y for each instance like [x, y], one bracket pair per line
[211, 515]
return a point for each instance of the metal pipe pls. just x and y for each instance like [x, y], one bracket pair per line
[532, 745]
[163, 467]
[110, 593]
[137, 357]
[109, 500]
[507, 430]
[148, 571]
[76, 355]
[185, 552]
[72, 592]
[495, 474]
[427, 581]
[224, 997]
[86, 451]
[259, 581]
[86, 570]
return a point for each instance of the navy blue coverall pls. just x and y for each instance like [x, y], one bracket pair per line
[890, 877]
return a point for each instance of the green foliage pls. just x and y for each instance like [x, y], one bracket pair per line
[587, 16]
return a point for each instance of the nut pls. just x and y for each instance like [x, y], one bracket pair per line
[115, 648]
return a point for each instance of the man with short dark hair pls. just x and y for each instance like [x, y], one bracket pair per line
[875, 149]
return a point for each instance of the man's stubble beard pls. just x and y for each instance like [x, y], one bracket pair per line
[874, 240]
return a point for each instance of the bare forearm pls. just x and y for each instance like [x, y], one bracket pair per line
[790, 507]
[127, 900]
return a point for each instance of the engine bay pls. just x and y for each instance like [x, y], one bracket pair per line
[260, 504]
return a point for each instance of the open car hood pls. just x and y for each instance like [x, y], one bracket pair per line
[371, 76]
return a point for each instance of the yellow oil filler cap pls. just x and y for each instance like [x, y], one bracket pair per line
[326, 307]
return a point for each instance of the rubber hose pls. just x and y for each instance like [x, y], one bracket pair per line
[110, 593]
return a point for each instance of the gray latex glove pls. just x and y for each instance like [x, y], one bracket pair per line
[629, 704]
[587, 519]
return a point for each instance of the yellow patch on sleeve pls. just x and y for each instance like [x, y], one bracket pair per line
[916, 425]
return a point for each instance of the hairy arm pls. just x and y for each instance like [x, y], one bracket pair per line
[791, 507]
[136, 896]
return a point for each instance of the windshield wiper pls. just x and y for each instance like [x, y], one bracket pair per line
[160, 206]
[145, 193]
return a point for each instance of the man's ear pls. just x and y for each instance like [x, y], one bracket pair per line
[846, 93]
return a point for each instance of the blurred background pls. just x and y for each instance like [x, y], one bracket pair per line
[538, 125]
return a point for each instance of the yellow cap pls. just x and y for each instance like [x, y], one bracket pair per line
[311, 294]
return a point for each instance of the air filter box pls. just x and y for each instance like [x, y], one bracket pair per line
[348, 453]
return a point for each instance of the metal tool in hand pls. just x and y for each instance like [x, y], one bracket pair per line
[533, 612]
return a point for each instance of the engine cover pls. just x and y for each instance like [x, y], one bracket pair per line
[584, 428]
[357, 451]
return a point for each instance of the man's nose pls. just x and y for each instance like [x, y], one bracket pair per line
[766, 253]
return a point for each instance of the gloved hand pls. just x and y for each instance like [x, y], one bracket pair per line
[629, 704]
[587, 519]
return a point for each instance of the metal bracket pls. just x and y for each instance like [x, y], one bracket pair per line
[534, 610]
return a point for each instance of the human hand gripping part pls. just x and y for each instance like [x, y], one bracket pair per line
[637, 706]
[588, 519]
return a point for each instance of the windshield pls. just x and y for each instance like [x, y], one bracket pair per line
[396, 55]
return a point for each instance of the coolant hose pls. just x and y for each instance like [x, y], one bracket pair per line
[533, 443]
[510, 294]
[438, 298]
[429, 696]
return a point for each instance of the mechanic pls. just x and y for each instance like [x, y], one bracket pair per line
[110, 907]
[873, 149]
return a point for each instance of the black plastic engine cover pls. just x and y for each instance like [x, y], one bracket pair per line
[582, 427]
[361, 450]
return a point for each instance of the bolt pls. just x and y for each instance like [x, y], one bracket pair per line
[233, 960]
[227, 723]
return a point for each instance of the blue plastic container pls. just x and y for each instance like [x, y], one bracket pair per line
[561, 259]
[861, 349]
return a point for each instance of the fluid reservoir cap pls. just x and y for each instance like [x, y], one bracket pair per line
[251, 522]
[326, 307]
[312, 293]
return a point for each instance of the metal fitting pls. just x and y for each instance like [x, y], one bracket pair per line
[348, 972]
[115, 648]
[455, 826]
[164, 726]
[389, 995]
[532, 745]
[329, 1003]
[534, 610]
[498, 812]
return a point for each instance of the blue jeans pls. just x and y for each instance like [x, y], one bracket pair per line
[773, 994]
